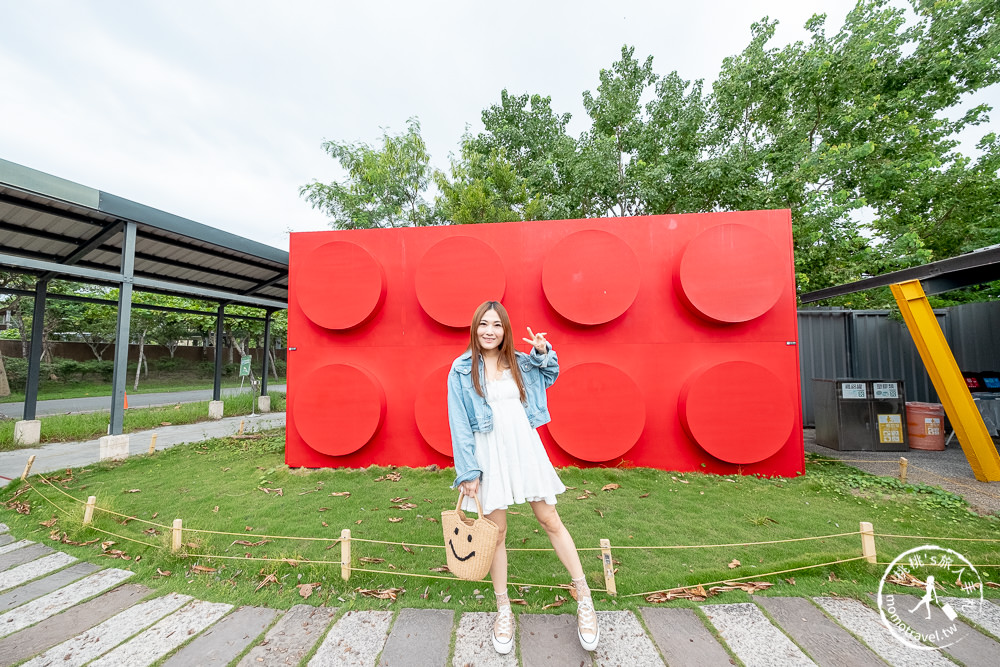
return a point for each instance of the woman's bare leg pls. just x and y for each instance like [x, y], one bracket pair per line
[498, 570]
[561, 540]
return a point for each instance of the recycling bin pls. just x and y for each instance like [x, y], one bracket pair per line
[862, 415]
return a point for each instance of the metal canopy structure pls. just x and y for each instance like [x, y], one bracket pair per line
[910, 288]
[54, 228]
[973, 268]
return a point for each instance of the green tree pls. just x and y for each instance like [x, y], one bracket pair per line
[485, 189]
[384, 187]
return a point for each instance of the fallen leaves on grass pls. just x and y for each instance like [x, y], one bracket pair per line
[599, 512]
[151, 531]
[992, 584]
[63, 539]
[790, 580]
[106, 550]
[431, 519]
[698, 593]
[305, 590]
[358, 522]
[166, 424]
[291, 561]
[381, 593]
[405, 506]
[399, 499]
[733, 564]
[390, 477]
[215, 509]
[51, 522]
[322, 509]
[247, 543]
[345, 494]
[645, 495]
[132, 491]
[19, 506]
[124, 521]
[277, 491]
[269, 579]
[443, 568]
[395, 519]
[162, 573]
[369, 559]
[832, 577]
[518, 601]
[408, 549]
[559, 601]
[610, 487]
[906, 579]
[202, 569]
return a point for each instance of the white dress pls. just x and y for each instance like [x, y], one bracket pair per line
[515, 466]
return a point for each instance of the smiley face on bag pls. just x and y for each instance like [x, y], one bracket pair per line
[464, 541]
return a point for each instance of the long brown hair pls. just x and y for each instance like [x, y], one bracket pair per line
[507, 357]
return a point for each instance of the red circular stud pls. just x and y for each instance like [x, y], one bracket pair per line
[455, 276]
[590, 277]
[598, 412]
[338, 408]
[731, 273]
[431, 410]
[737, 411]
[339, 285]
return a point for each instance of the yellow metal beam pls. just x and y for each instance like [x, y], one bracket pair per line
[948, 381]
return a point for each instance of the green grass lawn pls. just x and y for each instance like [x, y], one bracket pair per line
[87, 426]
[232, 486]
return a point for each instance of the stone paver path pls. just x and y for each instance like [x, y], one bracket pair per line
[64, 612]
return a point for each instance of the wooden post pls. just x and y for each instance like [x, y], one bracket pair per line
[868, 541]
[345, 554]
[152, 443]
[240, 432]
[902, 469]
[609, 567]
[175, 536]
[88, 512]
[27, 467]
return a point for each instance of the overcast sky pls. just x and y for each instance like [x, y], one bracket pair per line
[215, 111]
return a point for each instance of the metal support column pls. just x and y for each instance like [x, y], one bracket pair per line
[35, 351]
[948, 381]
[123, 332]
[217, 390]
[267, 352]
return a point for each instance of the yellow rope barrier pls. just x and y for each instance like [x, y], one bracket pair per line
[928, 537]
[734, 544]
[752, 576]
[122, 537]
[973, 565]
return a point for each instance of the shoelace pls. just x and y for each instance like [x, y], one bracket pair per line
[586, 617]
[503, 626]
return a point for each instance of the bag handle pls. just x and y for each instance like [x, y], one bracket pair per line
[479, 507]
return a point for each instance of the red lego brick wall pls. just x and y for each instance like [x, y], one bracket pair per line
[676, 337]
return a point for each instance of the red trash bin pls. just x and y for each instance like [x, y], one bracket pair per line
[925, 425]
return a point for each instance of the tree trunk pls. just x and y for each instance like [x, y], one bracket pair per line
[274, 363]
[138, 366]
[4, 385]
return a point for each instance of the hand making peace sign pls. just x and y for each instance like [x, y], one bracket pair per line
[538, 341]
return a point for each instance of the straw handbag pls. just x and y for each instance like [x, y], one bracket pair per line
[469, 544]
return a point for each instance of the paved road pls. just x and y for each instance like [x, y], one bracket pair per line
[66, 612]
[97, 403]
[62, 455]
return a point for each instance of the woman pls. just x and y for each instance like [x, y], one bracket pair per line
[496, 400]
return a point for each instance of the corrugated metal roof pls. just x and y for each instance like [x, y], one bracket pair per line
[47, 218]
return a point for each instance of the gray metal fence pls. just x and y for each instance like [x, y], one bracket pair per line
[870, 344]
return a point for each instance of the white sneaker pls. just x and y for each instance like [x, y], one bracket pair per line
[587, 628]
[503, 631]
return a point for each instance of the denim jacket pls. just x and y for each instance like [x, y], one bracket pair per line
[468, 412]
